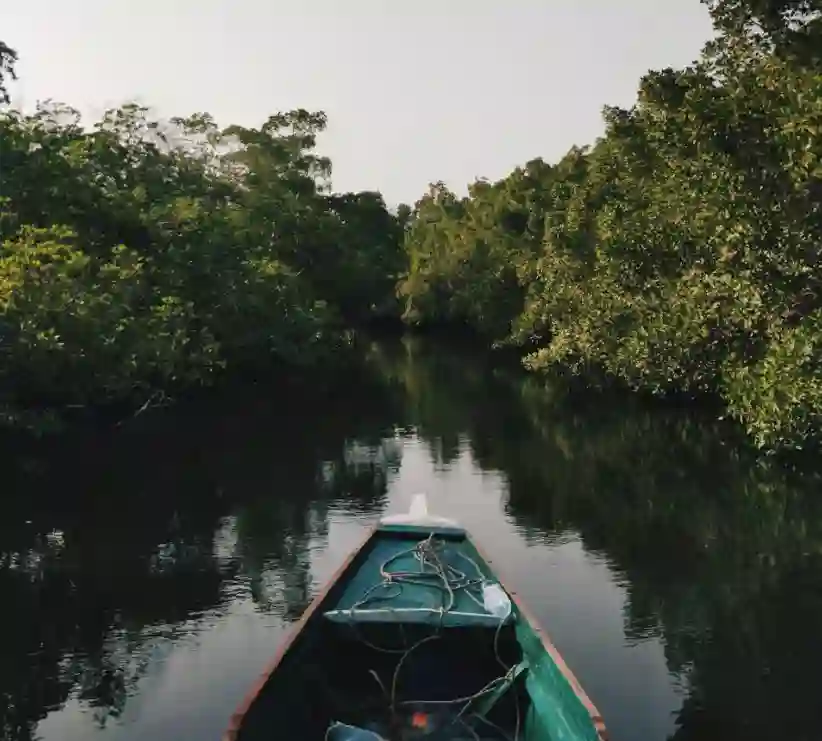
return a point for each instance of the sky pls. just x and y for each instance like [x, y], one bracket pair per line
[415, 92]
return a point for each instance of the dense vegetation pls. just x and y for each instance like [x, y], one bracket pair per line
[678, 254]
[139, 255]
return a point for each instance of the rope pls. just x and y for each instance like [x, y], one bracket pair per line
[435, 572]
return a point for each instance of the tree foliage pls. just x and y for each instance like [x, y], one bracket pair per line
[138, 255]
[680, 252]
[8, 58]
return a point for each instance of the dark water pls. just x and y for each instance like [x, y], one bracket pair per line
[146, 577]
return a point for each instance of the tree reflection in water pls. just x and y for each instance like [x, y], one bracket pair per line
[140, 521]
[112, 547]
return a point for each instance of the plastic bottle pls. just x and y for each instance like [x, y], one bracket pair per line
[495, 600]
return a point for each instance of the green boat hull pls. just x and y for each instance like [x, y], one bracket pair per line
[392, 649]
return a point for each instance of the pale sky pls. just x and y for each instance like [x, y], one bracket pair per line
[415, 91]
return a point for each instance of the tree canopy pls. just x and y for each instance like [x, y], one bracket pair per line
[677, 254]
[8, 58]
[680, 252]
[140, 255]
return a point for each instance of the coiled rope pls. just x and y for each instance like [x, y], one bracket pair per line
[436, 572]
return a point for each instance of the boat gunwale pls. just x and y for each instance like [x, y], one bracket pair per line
[238, 716]
[597, 720]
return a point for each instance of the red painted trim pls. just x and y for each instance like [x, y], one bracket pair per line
[596, 717]
[236, 721]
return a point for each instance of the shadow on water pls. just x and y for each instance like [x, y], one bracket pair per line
[111, 539]
[111, 545]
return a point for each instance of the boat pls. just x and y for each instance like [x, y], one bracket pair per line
[416, 638]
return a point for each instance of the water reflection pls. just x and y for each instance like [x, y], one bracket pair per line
[117, 542]
[149, 574]
[720, 554]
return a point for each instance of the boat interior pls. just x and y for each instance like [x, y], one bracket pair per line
[397, 682]
[415, 639]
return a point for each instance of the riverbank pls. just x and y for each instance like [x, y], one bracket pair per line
[182, 252]
[677, 255]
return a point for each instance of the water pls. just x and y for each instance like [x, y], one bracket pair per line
[147, 576]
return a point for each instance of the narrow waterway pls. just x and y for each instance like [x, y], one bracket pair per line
[147, 576]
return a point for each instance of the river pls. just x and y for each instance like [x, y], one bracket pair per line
[147, 575]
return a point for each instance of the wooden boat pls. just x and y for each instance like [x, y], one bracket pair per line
[415, 638]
